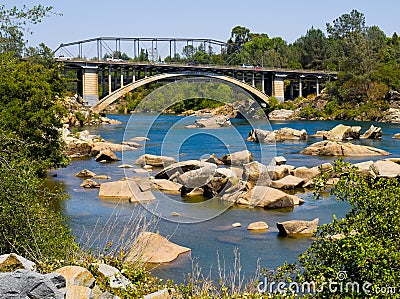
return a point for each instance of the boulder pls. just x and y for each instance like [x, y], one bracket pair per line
[237, 158]
[198, 177]
[288, 182]
[176, 169]
[281, 114]
[280, 160]
[256, 173]
[268, 198]
[334, 148]
[392, 115]
[258, 135]
[13, 261]
[226, 172]
[397, 136]
[30, 284]
[124, 190]
[364, 167]
[212, 122]
[236, 224]
[153, 160]
[88, 183]
[106, 155]
[297, 227]
[116, 279]
[212, 159]
[310, 173]
[342, 132]
[259, 225]
[215, 186]
[105, 145]
[386, 169]
[278, 172]
[76, 148]
[154, 248]
[85, 173]
[167, 186]
[372, 133]
[80, 282]
[290, 134]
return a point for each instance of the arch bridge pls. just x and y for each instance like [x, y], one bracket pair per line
[102, 81]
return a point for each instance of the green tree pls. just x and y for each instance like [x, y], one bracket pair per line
[29, 107]
[13, 25]
[314, 49]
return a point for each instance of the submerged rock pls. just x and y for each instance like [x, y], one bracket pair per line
[154, 248]
[85, 173]
[128, 190]
[372, 133]
[258, 135]
[88, 183]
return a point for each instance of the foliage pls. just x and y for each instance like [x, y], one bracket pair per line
[29, 109]
[14, 22]
[363, 246]
[28, 224]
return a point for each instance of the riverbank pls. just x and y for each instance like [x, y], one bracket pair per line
[205, 239]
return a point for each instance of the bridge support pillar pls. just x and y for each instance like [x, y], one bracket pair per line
[317, 86]
[90, 85]
[291, 90]
[263, 83]
[279, 87]
[243, 78]
[122, 77]
[109, 81]
[253, 81]
[133, 75]
[300, 87]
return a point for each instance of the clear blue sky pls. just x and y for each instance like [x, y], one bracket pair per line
[199, 19]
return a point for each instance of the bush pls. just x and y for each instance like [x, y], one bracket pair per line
[29, 226]
[363, 247]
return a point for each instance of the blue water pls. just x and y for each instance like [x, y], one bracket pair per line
[168, 135]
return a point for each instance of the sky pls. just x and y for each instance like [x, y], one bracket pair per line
[215, 19]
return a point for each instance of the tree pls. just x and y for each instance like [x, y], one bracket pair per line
[346, 24]
[314, 49]
[29, 107]
[14, 22]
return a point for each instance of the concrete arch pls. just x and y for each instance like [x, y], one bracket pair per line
[109, 99]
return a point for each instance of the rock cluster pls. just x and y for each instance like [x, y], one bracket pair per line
[258, 135]
[83, 144]
[211, 122]
[80, 114]
[343, 132]
[281, 114]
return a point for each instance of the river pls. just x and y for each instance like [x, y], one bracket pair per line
[87, 214]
